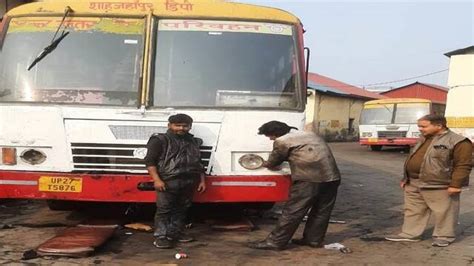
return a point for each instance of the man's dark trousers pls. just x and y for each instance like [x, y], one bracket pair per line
[320, 198]
[172, 205]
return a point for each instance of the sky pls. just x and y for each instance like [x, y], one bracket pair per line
[364, 43]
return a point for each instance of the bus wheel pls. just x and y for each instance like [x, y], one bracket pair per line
[61, 205]
[376, 147]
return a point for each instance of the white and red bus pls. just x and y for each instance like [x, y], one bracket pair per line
[392, 122]
[83, 85]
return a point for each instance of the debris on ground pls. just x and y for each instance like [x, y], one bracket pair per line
[29, 255]
[180, 255]
[6, 226]
[337, 222]
[236, 224]
[338, 246]
[79, 241]
[139, 227]
[369, 238]
[330, 221]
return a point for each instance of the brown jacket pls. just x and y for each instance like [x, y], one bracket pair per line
[437, 167]
[309, 156]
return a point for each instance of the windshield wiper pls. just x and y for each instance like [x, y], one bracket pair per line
[54, 42]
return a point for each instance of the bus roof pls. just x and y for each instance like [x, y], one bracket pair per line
[214, 9]
[398, 100]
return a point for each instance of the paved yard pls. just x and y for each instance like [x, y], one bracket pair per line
[369, 200]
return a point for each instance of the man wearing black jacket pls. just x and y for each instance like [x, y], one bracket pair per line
[173, 161]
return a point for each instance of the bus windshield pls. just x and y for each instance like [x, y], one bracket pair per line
[399, 113]
[377, 114]
[97, 63]
[202, 63]
[409, 113]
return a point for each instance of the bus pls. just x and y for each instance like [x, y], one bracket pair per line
[84, 84]
[392, 122]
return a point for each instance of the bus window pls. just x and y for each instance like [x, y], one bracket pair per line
[377, 114]
[225, 64]
[97, 63]
[409, 113]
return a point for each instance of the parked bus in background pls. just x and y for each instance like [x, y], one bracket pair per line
[84, 84]
[392, 122]
[460, 105]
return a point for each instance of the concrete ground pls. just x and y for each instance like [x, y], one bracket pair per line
[369, 200]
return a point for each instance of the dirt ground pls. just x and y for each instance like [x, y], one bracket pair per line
[369, 200]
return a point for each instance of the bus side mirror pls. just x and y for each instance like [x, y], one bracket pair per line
[307, 56]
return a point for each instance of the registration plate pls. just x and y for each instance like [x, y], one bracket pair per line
[373, 139]
[60, 184]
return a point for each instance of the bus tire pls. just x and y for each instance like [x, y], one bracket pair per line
[61, 205]
[376, 147]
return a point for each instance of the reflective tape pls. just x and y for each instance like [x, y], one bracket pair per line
[243, 184]
[19, 182]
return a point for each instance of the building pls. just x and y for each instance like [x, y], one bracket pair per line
[334, 107]
[435, 93]
[460, 106]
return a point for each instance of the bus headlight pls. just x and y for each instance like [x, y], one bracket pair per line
[366, 134]
[8, 156]
[251, 161]
[416, 134]
[33, 156]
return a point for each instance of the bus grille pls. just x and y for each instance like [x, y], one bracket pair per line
[117, 158]
[392, 134]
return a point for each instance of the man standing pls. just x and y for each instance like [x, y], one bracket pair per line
[433, 175]
[173, 161]
[315, 179]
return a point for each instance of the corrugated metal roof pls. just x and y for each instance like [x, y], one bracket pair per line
[466, 50]
[434, 93]
[329, 85]
[322, 88]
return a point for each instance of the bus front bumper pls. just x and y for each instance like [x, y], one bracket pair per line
[388, 142]
[123, 188]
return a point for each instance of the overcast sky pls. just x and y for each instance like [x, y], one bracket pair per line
[367, 42]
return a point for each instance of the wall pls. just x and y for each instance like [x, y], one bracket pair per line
[331, 114]
[460, 106]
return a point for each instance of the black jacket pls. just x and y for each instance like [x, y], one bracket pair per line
[174, 155]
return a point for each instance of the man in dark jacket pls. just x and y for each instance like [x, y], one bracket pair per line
[434, 172]
[315, 179]
[173, 161]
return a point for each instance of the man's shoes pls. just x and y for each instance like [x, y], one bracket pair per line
[440, 243]
[162, 242]
[400, 238]
[182, 238]
[264, 245]
[303, 242]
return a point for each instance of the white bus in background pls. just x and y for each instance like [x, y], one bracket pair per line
[392, 122]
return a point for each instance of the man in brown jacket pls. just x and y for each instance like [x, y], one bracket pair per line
[434, 172]
[315, 179]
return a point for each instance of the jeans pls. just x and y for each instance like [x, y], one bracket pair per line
[320, 198]
[172, 206]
